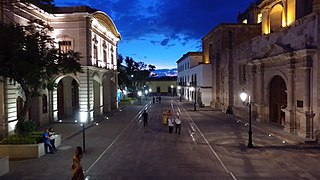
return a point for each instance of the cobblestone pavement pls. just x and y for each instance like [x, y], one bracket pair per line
[212, 145]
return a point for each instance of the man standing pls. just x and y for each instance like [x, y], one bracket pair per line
[46, 141]
[145, 118]
[177, 121]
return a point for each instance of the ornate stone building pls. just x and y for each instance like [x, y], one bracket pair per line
[217, 47]
[278, 68]
[93, 92]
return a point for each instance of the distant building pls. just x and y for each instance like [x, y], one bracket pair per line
[162, 86]
[83, 29]
[194, 78]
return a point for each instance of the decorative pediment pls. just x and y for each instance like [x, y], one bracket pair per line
[273, 50]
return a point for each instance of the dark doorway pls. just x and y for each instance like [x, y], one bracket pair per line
[278, 100]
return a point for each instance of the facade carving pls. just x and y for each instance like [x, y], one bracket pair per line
[278, 66]
[93, 92]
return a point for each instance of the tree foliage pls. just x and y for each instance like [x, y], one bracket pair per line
[134, 74]
[30, 57]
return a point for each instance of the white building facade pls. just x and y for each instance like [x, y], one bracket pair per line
[88, 94]
[194, 79]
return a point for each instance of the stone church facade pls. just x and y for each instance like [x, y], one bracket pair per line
[274, 57]
[84, 95]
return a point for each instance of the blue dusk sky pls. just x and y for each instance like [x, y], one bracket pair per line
[159, 32]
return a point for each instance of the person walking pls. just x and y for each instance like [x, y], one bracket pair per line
[46, 141]
[170, 124]
[164, 117]
[145, 118]
[177, 122]
[76, 168]
[52, 136]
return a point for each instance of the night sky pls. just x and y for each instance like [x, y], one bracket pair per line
[159, 32]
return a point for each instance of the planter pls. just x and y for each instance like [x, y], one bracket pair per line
[25, 151]
[4, 165]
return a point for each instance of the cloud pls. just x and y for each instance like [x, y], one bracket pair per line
[164, 42]
[182, 20]
[148, 27]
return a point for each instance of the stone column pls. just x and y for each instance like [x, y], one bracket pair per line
[260, 94]
[86, 94]
[306, 89]
[252, 89]
[306, 121]
[291, 125]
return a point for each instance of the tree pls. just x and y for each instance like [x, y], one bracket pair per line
[123, 77]
[134, 74]
[30, 57]
[138, 73]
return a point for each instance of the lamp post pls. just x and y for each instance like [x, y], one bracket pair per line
[83, 120]
[172, 90]
[146, 93]
[195, 97]
[244, 96]
[180, 95]
[139, 95]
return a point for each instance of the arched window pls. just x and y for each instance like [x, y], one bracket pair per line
[276, 17]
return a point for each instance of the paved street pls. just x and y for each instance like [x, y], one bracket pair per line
[212, 145]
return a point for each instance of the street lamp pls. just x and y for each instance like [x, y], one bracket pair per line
[195, 97]
[172, 90]
[180, 95]
[139, 95]
[83, 120]
[244, 96]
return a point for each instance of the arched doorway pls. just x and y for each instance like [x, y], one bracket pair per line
[278, 100]
[276, 17]
[67, 98]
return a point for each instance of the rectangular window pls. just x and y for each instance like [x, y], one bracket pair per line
[65, 46]
[242, 73]
[95, 52]
[259, 20]
[104, 55]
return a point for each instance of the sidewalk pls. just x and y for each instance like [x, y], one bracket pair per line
[271, 129]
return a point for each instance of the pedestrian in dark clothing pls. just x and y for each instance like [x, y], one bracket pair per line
[46, 141]
[153, 99]
[145, 118]
[160, 99]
